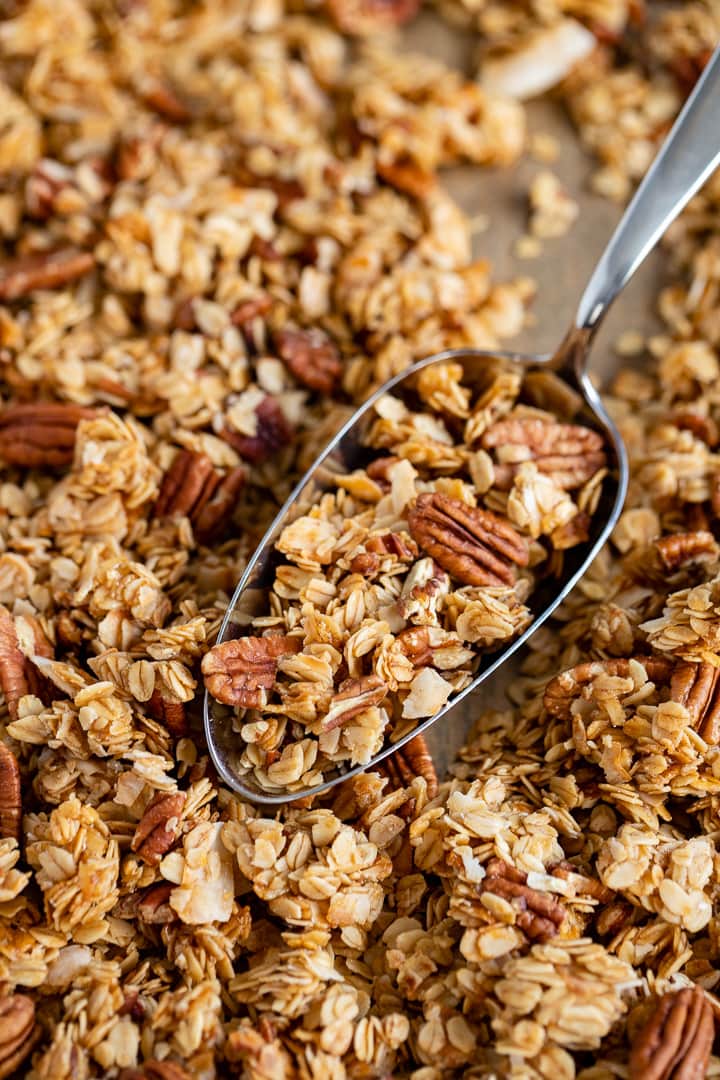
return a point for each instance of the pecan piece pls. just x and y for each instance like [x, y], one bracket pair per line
[406, 176]
[376, 547]
[571, 454]
[696, 687]
[475, 546]
[411, 760]
[352, 698]
[249, 310]
[561, 691]
[163, 100]
[43, 270]
[41, 434]
[611, 919]
[155, 1070]
[682, 549]
[18, 1031]
[676, 1041]
[311, 357]
[10, 794]
[273, 433]
[702, 427]
[153, 836]
[193, 488]
[370, 16]
[539, 915]
[241, 671]
[169, 713]
[18, 675]
[154, 905]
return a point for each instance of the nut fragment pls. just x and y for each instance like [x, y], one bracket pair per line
[169, 713]
[353, 697]
[311, 357]
[10, 794]
[44, 270]
[569, 453]
[474, 545]
[676, 1041]
[562, 690]
[273, 433]
[192, 487]
[40, 434]
[538, 914]
[153, 835]
[696, 687]
[155, 1070]
[241, 671]
[411, 760]
[681, 549]
[18, 1032]
[153, 906]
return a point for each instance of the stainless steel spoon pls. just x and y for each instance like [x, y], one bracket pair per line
[687, 158]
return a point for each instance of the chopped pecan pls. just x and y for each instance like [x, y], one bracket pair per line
[194, 488]
[702, 427]
[153, 907]
[249, 310]
[676, 1041]
[406, 176]
[696, 687]
[475, 546]
[584, 885]
[378, 470]
[363, 17]
[155, 1070]
[10, 794]
[353, 697]
[18, 1031]
[18, 675]
[570, 453]
[539, 915]
[153, 836]
[561, 691]
[413, 759]
[370, 561]
[163, 100]
[311, 357]
[681, 549]
[573, 532]
[40, 435]
[43, 270]
[613, 917]
[273, 433]
[415, 644]
[169, 713]
[241, 671]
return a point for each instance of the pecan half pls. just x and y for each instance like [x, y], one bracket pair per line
[18, 675]
[352, 698]
[539, 915]
[194, 488]
[18, 1031]
[676, 1041]
[561, 691]
[153, 837]
[43, 270]
[696, 687]
[169, 713]
[273, 433]
[681, 549]
[413, 759]
[10, 794]
[570, 453]
[370, 16]
[241, 671]
[41, 434]
[475, 546]
[155, 1070]
[311, 357]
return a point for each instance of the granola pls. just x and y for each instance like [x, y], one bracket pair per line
[222, 225]
[390, 588]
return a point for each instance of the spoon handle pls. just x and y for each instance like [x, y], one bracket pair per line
[686, 159]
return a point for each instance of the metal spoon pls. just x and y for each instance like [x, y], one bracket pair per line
[689, 155]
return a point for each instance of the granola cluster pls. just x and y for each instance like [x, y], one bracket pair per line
[390, 588]
[221, 225]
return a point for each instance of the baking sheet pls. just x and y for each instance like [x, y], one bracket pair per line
[561, 272]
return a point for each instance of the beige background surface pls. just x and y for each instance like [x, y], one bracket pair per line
[561, 271]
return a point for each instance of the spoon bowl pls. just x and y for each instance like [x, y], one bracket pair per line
[687, 158]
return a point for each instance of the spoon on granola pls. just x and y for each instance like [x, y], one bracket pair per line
[439, 529]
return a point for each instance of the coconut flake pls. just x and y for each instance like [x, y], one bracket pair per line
[542, 61]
